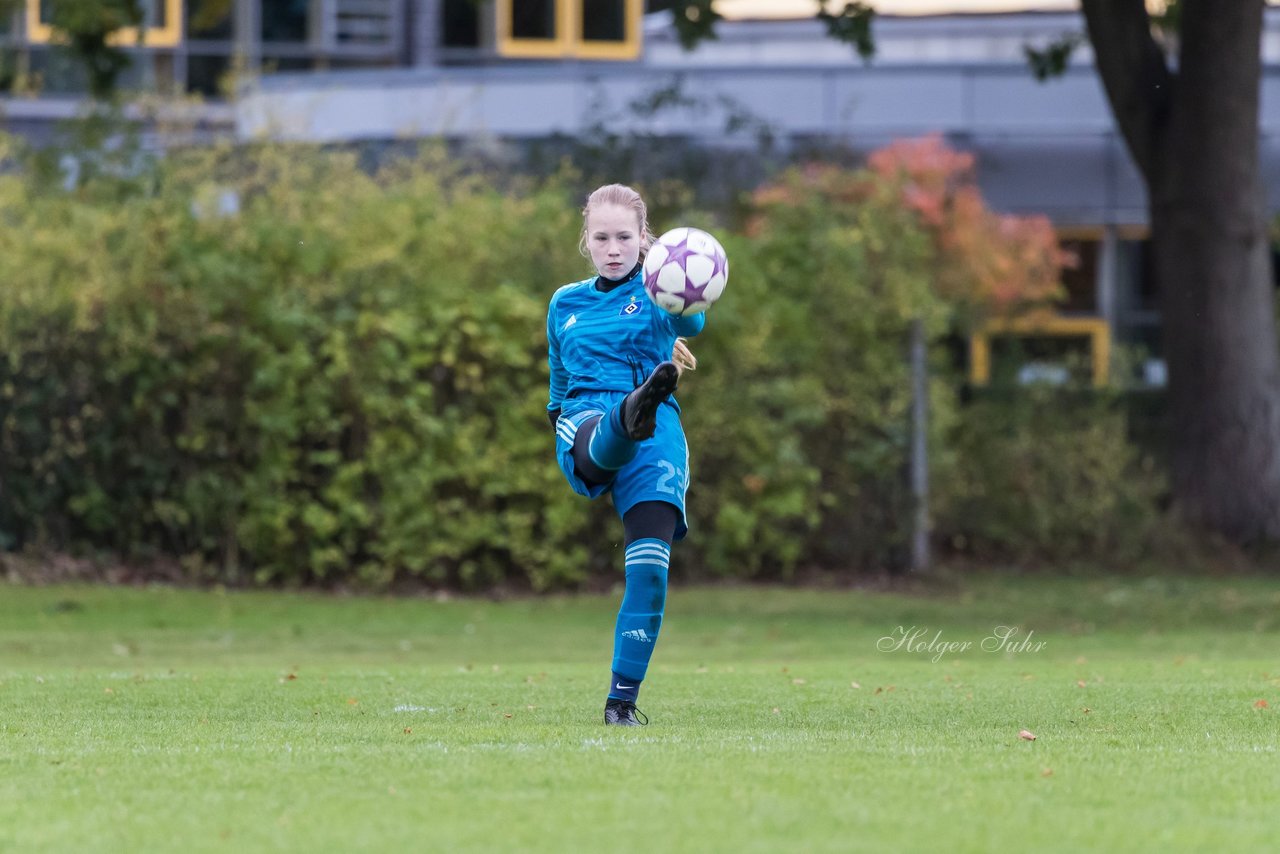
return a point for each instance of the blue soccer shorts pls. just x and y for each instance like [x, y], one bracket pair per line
[659, 471]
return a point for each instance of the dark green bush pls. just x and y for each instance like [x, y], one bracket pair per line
[1048, 475]
[342, 380]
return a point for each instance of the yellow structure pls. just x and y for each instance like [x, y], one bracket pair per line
[168, 35]
[1054, 326]
[568, 39]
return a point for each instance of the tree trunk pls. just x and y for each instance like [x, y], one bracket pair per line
[1194, 135]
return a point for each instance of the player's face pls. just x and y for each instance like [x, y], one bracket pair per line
[613, 238]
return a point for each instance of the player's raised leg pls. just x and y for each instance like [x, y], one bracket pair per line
[610, 442]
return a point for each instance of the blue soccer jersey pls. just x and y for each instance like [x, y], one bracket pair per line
[600, 343]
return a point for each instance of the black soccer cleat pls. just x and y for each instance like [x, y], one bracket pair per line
[623, 713]
[640, 408]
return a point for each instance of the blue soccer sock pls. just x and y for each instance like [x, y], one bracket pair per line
[640, 617]
[610, 446]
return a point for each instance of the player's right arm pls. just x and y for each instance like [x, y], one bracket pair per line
[559, 376]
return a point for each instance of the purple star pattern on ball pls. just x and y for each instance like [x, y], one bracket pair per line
[692, 293]
[679, 253]
[721, 264]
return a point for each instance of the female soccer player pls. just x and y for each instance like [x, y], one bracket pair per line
[611, 352]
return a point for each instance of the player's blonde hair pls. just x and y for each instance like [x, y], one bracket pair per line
[683, 356]
[624, 197]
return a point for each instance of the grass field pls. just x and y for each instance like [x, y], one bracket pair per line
[167, 720]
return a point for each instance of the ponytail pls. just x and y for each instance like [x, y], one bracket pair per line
[683, 356]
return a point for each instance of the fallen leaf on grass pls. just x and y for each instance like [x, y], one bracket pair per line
[408, 730]
[1261, 704]
[1048, 772]
[1080, 683]
[352, 701]
[1027, 735]
[505, 715]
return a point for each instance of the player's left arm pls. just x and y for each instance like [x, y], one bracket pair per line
[689, 325]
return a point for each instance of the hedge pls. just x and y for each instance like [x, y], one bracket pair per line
[274, 365]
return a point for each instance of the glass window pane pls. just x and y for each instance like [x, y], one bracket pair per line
[206, 74]
[460, 23]
[209, 19]
[58, 72]
[285, 20]
[533, 19]
[1080, 280]
[154, 13]
[604, 20]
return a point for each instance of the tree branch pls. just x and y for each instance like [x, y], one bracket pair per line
[1138, 83]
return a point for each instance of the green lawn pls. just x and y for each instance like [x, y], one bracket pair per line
[164, 720]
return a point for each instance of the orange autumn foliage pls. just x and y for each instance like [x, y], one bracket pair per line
[984, 264]
[1002, 263]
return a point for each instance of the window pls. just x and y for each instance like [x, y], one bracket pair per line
[586, 29]
[208, 20]
[604, 21]
[1080, 279]
[459, 23]
[285, 20]
[1043, 338]
[534, 28]
[207, 73]
[534, 19]
[162, 24]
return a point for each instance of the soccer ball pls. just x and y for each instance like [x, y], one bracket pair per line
[685, 271]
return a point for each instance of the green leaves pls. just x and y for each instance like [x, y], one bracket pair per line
[695, 21]
[1053, 59]
[87, 26]
[852, 25]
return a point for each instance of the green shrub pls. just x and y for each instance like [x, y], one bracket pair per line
[1045, 475]
[344, 380]
[800, 418]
